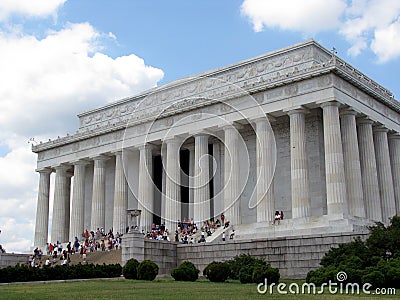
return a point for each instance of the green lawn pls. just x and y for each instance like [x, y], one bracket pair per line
[158, 289]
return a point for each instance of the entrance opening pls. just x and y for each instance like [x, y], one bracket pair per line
[184, 161]
[157, 179]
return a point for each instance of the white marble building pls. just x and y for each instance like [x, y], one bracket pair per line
[296, 130]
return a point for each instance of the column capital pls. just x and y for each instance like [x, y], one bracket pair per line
[101, 157]
[46, 170]
[62, 167]
[80, 162]
[393, 135]
[296, 110]
[265, 118]
[329, 103]
[364, 120]
[146, 146]
[230, 126]
[380, 128]
[348, 111]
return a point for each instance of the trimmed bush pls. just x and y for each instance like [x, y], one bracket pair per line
[130, 269]
[261, 272]
[246, 274]
[217, 271]
[375, 261]
[185, 272]
[20, 273]
[147, 270]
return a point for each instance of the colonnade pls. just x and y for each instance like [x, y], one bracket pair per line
[362, 168]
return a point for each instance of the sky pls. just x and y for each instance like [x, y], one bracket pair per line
[62, 57]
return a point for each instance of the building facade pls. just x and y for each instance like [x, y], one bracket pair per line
[296, 130]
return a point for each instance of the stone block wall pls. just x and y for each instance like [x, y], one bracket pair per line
[294, 256]
[11, 259]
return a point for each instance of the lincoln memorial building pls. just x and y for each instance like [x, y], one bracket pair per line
[296, 130]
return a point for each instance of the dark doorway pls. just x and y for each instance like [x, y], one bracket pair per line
[157, 179]
[184, 161]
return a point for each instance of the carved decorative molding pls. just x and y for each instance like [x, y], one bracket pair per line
[279, 68]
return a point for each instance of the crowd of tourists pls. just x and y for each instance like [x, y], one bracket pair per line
[91, 241]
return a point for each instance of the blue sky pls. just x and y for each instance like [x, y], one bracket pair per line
[61, 57]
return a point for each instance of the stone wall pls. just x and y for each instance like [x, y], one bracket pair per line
[294, 256]
[11, 259]
[163, 253]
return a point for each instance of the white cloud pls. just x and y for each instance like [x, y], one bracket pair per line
[31, 8]
[45, 83]
[366, 24]
[306, 16]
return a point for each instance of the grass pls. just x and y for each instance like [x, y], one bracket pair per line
[164, 288]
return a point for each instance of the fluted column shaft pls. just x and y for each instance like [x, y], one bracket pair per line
[58, 229]
[352, 166]
[265, 170]
[201, 189]
[172, 185]
[146, 189]
[78, 200]
[385, 178]
[98, 194]
[231, 176]
[120, 195]
[191, 182]
[368, 170]
[336, 196]
[42, 210]
[394, 149]
[301, 202]
[67, 207]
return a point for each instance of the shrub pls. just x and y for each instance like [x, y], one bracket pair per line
[246, 274]
[147, 270]
[240, 261]
[262, 272]
[375, 277]
[217, 271]
[185, 272]
[130, 269]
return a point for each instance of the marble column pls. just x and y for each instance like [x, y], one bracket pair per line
[301, 201]
[191, 182]
[42, 210]
[385, 178]
[369, 173]
[58, 229]
[201, 179]
[352, 166]
[120, 195]
[67, 206]
[98, 193]
[146, 187]
[266, 158]
[172, 185]
[336, 195]
[232, 189]
[78, 200]
[394, 149]
[164, 166]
